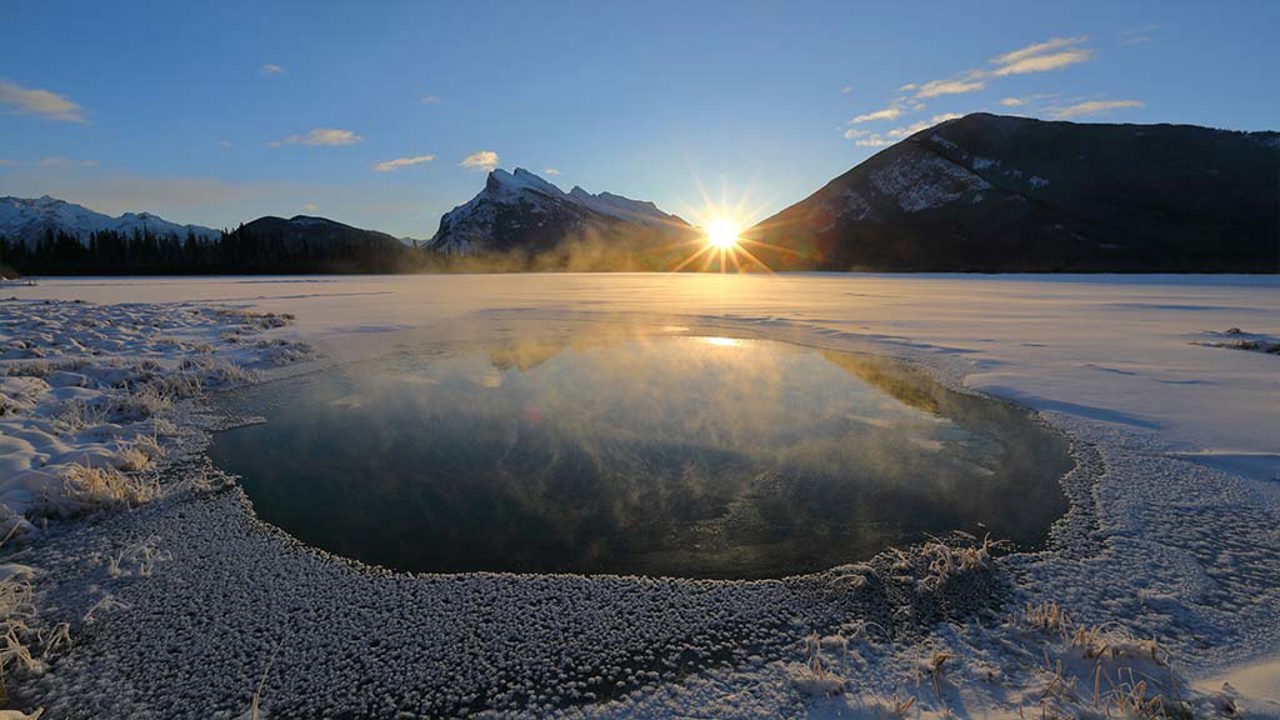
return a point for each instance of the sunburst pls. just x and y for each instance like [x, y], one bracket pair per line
[721, 245]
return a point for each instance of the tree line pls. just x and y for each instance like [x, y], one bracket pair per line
[241, 251]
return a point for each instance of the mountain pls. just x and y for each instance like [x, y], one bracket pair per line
[1002, 194]
[300, 244]
[28, 220]
[313, 244]
[520, 214]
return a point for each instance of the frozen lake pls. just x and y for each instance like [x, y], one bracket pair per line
[1169, 536]
[651, 452]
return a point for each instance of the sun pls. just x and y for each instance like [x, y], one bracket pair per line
[722, 234]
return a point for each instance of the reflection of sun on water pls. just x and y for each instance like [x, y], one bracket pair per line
[720, 341]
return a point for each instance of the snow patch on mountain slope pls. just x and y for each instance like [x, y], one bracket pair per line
[28, 218]
[534, 202]
[925, 181]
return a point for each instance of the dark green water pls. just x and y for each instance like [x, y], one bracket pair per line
[657, 455]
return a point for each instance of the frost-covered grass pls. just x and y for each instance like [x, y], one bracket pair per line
[88, 401]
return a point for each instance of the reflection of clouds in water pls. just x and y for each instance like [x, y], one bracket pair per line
[628, 453]
[491, 380]
[408, 379]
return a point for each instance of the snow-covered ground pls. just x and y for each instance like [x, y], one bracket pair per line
[1167, 565]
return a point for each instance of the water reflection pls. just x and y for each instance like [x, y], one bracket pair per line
[626, 453]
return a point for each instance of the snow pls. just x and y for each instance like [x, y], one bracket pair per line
[850, 205]
[1170, 534]
[923, 180]
[471, 225]
[27, 218]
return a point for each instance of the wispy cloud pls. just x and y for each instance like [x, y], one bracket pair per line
[389, 165]
[866, 138]
[310, 207]
[847, 90]
[429, 100]
[484, 160]
[270, 70]
[909, 130]
[550, 171]
[1014, 102]
[1052, 54]
[1138, 35]
[224, 144]
[971, 81]
[34, 101]
[1092, 107]
[64, 161]
[326, 137]
[51, 161]
[893, 112]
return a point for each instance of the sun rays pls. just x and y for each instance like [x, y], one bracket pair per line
[721, 244]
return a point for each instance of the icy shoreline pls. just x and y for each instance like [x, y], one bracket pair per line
[1155, 546]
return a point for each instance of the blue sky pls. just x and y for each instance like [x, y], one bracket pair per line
[218, 113]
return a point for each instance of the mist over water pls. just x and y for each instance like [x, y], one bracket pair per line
[653, 453]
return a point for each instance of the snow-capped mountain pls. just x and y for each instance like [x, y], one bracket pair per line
[996, 193]
[522, 212]
[28, 218]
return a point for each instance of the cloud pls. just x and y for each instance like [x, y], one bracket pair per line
[430, 100]
[6, 161]
[1045, 63]
[224, 144]
[270, 70]
[966, 83]
[1034, 49]
[1092, 107]
[550, 171]
[485, 159]
[33, 101]
[1014, 102]
[1138, 35]
[63, 161]
[866, 138]
[328, 137]
[893, 112]
[310, 207]
[914, 128]
[847, 89]
[1052, 54]
[398, 163]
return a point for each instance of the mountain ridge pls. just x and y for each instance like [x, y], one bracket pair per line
[27, 219]
[1000, 193]
[521, 212]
